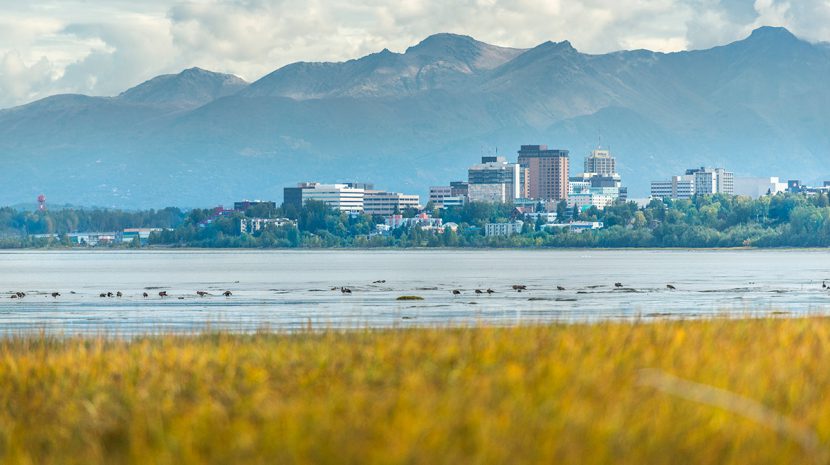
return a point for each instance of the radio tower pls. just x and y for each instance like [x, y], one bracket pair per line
[41, 203]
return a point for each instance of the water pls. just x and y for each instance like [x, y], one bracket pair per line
[287, 290]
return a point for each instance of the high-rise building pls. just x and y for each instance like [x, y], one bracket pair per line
[547, 172]
[493, 180]
[601, 162]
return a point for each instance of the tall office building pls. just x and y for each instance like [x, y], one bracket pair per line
[547, 172]
[601, 162]
[493, 180]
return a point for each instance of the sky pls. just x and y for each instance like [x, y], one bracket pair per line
[103, 47]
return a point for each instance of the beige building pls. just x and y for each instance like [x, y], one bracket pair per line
[547, 172]
[388, 203]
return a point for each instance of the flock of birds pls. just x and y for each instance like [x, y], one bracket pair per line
[343, 290]
[162, 294]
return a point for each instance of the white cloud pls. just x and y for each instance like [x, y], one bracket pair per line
[102, 47]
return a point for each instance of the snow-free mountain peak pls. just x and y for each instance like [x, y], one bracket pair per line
[189, 88]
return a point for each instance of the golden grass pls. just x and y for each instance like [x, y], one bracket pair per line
[665, 392]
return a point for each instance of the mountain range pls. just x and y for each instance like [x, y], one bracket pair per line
[405, 121]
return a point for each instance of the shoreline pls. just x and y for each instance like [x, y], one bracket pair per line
[402, 249]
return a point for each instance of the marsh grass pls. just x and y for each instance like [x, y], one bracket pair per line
[718, 391]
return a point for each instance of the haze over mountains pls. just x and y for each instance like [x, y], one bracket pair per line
[760, 106]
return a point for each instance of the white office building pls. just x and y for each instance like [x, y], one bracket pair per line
[712, 180]
[759, 187]
[338, 196]
[678, 187]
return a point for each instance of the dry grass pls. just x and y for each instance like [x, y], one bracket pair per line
[712, 392]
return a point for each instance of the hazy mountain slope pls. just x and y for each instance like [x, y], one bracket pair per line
[190, 88]
[408, 120]
[440, 61]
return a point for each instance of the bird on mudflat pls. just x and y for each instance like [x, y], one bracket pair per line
[824, 284]
[118, 294]
[21, 294]
[479, 291]
[109, 294]
[162, 293]
[560, 288]
[145, 295]
[618, 285]
[669, 286]
[201, 293]
[102, 294]
[227, 293]
[490, 291]
[456, 292]
[56, 294]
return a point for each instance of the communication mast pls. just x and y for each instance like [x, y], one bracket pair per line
[41, 203]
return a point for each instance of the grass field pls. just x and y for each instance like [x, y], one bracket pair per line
[747, 391]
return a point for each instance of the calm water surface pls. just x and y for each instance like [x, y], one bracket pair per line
[287, 290]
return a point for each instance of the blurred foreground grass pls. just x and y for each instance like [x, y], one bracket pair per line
[604, 393]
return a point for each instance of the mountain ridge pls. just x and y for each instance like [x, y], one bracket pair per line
[418, 118]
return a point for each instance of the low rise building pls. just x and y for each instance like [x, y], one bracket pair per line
[340, 197]
[712, 180]
[454, 195]
[503, 229]
[141, 234]
[93, 239]
[388, 203]
[253, 225]
[422, 220]
[586, 200]
[243, 205]
[759, 187]
[678, 187]
[577, 226]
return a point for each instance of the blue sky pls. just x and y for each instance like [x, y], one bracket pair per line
[102, 47]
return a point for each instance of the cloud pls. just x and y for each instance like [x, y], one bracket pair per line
[102, 47]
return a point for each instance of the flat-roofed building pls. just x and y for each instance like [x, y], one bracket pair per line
[601, 162]
[712, 180]
[388, 203]
[494, 180]
[337, 196]
[589, 199]
[449, 196]
[678, 187]
[759, 187]
[253, 225]
[547, 172]
[503, 229]
[246, 204]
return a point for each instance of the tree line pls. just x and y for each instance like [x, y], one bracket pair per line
[782, 220]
